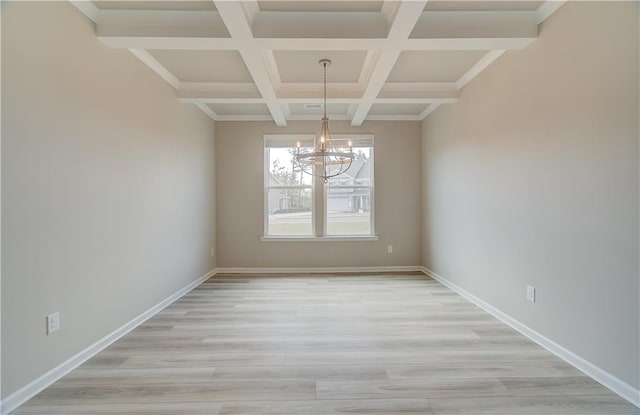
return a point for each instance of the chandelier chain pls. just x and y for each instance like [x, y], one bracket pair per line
[324, 64]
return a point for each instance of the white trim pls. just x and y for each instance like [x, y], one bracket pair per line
[479, 66]
[608, 380]
[0, 216]
[272, 69]
[319, 238]
[547, 9]
[207, 110]
[219, 89]
[367, 68]
[251, 10]
[394, 117]
[405, 18]
[318, 270]
[156, 67]
[28, 391]
[424, 114]
[245, 117]
[240, 28]
[87, 8]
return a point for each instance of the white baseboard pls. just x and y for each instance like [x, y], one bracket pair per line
[608, 380]
[28, 391]
[319, 270]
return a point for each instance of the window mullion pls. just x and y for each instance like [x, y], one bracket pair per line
[319, 204]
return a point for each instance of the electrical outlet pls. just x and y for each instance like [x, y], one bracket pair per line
[53, 322]
[389, 249]
[213, 252]
[531, 294]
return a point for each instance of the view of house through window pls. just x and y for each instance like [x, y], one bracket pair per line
[348, 197]
[290, 194]
[289, 191]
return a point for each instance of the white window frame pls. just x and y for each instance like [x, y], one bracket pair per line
[372, 223]
[318, 194]
[292, 139]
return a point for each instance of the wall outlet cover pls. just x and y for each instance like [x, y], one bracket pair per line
[531, 294]
[53, 322]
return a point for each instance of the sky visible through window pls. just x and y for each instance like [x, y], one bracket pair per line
[284, 157]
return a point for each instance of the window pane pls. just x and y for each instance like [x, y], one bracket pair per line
[359, 173]
[348, 211]
[283, 170]
[290, 212]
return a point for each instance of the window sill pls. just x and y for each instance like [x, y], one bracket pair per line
[318, 238]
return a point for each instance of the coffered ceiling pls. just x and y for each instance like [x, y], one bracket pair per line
[258, 60]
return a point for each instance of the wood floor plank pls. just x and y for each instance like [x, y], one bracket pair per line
[325, 345]
[317, 407]
[448, 370]
[127, 376]
[165, 408]
[212, 391]
[547, 405]
[299, 372]
[427, 388]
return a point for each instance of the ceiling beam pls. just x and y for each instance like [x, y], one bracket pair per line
[478, 67]
[88, 8]
[405, 19]
[207, 110]
[235, 19]
[235, 25]
[424, 114]
[251, 10]
[156, 67]
[410, 92]
[407, 90]
[135, 29]
[548, 8]
[389, 10]
[367, 68]
[117, 41]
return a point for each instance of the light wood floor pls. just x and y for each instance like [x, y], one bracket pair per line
[300, 345]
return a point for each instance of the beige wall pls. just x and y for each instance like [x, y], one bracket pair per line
[532, 178]
[107, 188]
[240, 184]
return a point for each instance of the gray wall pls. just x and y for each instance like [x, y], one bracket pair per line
[107, 188]
[240, 184]
[532, 178]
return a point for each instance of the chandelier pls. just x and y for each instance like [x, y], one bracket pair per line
[325, 160]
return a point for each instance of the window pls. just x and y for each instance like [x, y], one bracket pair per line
[289, 192]
[298, 205]
[348, 196]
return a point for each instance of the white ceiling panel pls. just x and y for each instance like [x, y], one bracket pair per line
[240, 109]
[302, 66]
[456, 5]
[204, 65]
[321, 6]
[299, 109]
[397, 109]
[434, 66]
[198, 5]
